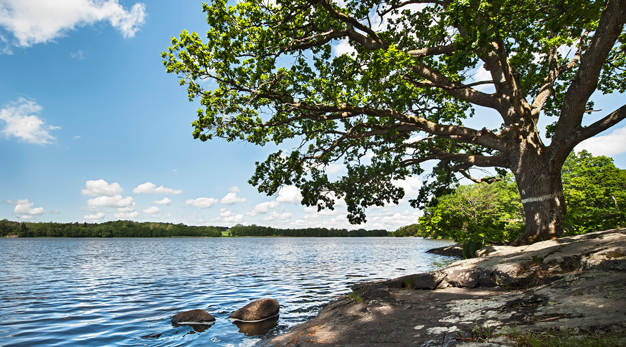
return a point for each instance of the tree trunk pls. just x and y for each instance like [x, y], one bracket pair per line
[541, 190]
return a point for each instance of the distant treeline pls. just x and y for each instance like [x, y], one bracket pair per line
[255, 230]
[136, 229]
[107, 229]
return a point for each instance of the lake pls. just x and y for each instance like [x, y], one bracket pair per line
[103, 292]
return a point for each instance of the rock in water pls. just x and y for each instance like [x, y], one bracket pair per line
[257, 310]
[193, 317]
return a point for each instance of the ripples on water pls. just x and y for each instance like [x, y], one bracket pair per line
[123, 291]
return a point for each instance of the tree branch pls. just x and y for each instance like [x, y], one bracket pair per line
[585, 82]
[372, 42]
[458, 90]
[402, 4]
[487, 180]
[430, 51]
[500, 160]
[601, 125]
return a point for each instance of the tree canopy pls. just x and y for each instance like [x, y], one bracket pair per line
[594, 189]
[402, 96]
[482, 213]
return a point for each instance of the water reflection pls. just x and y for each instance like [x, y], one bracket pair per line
[258, 328]
[123, 291]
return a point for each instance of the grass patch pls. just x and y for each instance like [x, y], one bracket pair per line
[481, 332]
[615, 254]
[567, 338]
[407, 283]
[355, 296]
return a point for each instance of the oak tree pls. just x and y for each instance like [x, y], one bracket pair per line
[403, 94]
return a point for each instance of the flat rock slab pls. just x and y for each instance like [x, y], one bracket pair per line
[589, 294]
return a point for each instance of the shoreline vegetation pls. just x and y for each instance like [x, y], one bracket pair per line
[477, 215]
[150, 229]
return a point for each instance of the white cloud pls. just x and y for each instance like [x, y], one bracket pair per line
[325, 212]
[263, 207]
[21, 122]
[129, 208]
[192, 215]
[280, 216]
[230, 216]
[151, 210]
[289, 194]
[608, 145]
[164, 201]
[232, 198]
[311, 216]
[400, 219]
[79, 55]
[24, 207]
[39, 21]
[96, 216]
[101, 187]
[151, 188]
[334, 168]
[129, 215]
[411, 186]
[481, 75]
[111, 201]
[201, 202]
[343, 47]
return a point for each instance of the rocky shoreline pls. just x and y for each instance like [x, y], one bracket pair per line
[576, 282]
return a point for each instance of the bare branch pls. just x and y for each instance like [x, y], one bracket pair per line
[500, 160]
[402, 4]
[487, 180]
[430, 51]
[554, 72]
[458, 90]
[601, 125]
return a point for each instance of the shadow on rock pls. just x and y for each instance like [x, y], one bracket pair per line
[256, 328]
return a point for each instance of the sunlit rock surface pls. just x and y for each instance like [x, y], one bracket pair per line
[256, 311]
[577, 282]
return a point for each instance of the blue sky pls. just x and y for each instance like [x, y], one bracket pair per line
[93, 129]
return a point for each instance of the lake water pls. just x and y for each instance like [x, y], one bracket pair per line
[104, 292]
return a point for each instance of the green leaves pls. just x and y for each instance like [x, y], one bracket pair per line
[479, 213]
[595, 192]
[275, 74]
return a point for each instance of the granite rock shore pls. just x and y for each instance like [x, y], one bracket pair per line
[575, 282]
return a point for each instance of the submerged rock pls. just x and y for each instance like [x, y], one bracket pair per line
[257, 310]
[193, 317]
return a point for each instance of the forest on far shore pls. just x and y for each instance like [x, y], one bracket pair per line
[148, 229]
